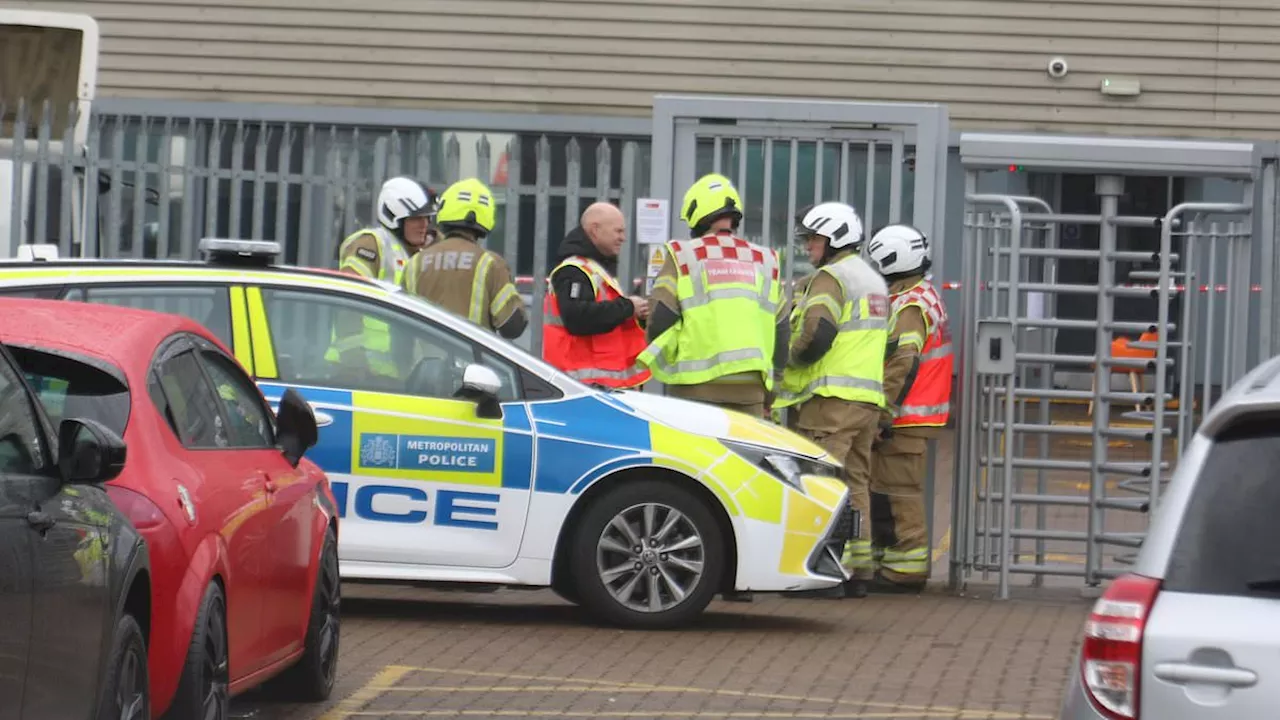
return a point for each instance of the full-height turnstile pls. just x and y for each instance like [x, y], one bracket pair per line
[1039, 496]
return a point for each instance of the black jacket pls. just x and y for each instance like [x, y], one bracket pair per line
[581, 314]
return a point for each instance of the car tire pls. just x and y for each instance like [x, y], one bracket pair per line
[203, 688]
[127, 690]
[566, 589]
[617, 579]
[311, 679]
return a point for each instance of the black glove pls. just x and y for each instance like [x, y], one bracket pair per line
[883, 432]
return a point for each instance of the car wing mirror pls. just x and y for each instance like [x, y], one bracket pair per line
[88, 451]
[481, 384]
[296, 429]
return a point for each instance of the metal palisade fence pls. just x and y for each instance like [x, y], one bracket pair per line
[158, 183]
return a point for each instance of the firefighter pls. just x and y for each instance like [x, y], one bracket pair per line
[839, 333]
[456, 273]
[717, 327]
[361, 345]
[917, 385]
[591, 329]
[404, 211]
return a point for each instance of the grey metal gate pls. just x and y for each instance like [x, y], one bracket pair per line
[1023, 504]
[887, 160]
[865, 154]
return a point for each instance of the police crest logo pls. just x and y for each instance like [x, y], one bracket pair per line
[378, 450]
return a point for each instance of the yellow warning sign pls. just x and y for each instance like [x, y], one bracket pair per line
[655, 260]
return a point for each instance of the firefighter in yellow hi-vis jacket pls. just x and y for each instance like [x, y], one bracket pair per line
[917, 383]
[456, 273]
[362, 344]
[717, 327]
[835, 374]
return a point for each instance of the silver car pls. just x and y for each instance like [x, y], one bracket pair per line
[1194, 630]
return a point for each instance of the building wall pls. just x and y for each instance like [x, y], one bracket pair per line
[1206, 69]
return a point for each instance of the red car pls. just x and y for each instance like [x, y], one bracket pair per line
[242, 531]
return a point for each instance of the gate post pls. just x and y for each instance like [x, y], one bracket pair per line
[1108, 188]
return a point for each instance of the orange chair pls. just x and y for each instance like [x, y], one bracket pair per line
[1121, 348]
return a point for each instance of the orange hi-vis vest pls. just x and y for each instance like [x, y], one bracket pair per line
[607, 359]
[928, 401]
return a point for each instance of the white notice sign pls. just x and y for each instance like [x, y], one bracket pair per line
[652, 221]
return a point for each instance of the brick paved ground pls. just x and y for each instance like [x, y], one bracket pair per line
[418, 653]
[412, 653]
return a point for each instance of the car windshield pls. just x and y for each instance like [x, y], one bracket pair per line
[73, 388]
[1228, 536]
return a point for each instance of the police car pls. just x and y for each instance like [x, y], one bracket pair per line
[479, 464]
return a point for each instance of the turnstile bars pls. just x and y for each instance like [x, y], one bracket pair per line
[1010, 523]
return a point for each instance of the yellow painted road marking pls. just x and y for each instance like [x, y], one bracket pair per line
[963, 715]
[384, 680]
[616, 686]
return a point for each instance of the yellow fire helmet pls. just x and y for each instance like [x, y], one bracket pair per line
[467, 205]
[712, 197]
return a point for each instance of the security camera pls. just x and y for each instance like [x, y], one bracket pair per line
[1057, 67]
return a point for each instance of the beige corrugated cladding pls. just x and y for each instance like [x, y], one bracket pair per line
[1207, 68]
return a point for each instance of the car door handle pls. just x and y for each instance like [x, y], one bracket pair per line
[39, 520]
[1180, 673]
[322, 418]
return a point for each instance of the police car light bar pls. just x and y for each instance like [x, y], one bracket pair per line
[255, 251]
[38, 252]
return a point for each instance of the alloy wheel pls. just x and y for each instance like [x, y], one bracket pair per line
[330, 602]
[215, 669]
[131, 688]
[650, 557]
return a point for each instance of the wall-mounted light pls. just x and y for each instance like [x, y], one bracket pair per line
[1121, 86]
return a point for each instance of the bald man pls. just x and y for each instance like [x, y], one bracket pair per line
[592, 329]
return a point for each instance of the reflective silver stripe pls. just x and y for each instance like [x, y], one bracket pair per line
[857, 555]
[836, 381]
[588, 374]
[939, 352]
[553, 321]
[911, 562]
[506, 294]
[389, 249]
[691, 366]
[726, 294]
[924, 410]
[348, 342]
[667, 283]
[825, 301]
[476, 312]
[857, 323]
[358, 265]
[702, 296]
[918, 553]
[411, 275]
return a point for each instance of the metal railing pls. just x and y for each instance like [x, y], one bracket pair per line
[162, 182]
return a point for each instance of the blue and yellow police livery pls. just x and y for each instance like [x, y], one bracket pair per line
[456, 457]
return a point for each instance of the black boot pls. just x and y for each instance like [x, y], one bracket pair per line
[855, 588]
[882, 585]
